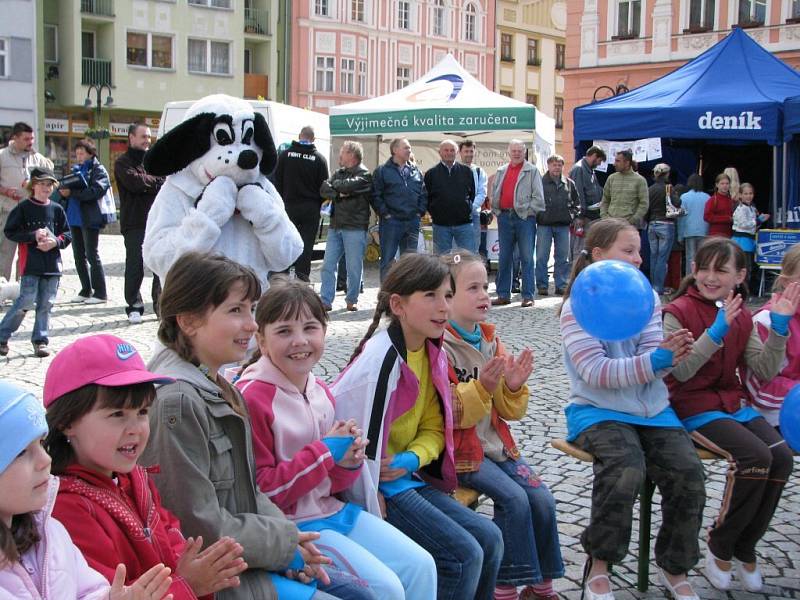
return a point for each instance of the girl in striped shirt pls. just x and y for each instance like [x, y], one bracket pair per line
[619, 412]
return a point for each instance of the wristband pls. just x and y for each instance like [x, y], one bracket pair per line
[661, 359]
[338, 445]
[780, 323]
[719, 327]
[405, 460]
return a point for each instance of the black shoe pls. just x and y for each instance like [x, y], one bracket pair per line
[542, 291]
[3, 348]
[341, 287]
[561, 291]
[515, 289]
[40, 350]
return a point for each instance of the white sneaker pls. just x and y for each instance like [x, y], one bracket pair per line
[94, 300]
[751, 580]
[717, 577]
[134, 318]
[78, 299]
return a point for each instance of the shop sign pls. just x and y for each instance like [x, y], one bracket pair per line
[79, 127]
[119, 129]
[152, 122]
[56, 125]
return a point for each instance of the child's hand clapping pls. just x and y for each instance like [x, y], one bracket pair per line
[354, 457]
[732, 306]
[313, 559]
[213, 569]
[680, 343]
[152, 585]
[491, 373]
[786, 302]
[518, 370]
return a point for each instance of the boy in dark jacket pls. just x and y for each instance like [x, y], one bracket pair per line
[40, 228]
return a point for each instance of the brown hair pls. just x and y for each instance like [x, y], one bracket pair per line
[716, 251]
[720, 177]
[87, 145]
[196, 283]
[285, 300]
[17, 539]
[411, 273]
[456, 260]
[70, 407]
[695, 182]
[790, 267]
[602, 234]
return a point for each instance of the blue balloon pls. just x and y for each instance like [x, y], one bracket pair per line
[612, 300]
[790, 418]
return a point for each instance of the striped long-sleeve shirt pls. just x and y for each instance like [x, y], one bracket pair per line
[614, 380]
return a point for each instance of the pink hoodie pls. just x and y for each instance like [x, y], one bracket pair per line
[294, 468]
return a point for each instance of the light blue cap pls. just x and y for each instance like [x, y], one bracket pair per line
[22, 420]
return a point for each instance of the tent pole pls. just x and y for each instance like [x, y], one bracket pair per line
[774, 180]
[785, 200]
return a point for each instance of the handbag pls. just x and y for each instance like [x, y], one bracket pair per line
[108, 208]
[672, 211]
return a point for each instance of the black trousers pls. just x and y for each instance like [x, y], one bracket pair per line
[305, 217]
[91, 275]
[134, 274]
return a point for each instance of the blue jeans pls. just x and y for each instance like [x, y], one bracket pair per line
[394, 567]
[351, 243]
[476, 229]
[449, 237]
[342, 585]
[396, 236]
[690, 246]
[467, 547]
[558, 236]
[661, 236]
[33, 290]
[525, 511]
[520, 233]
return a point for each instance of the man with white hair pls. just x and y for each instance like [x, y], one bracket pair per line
[517, 197]
[451, 191]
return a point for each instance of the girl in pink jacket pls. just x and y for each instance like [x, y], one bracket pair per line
[37, 557]
[304, 456]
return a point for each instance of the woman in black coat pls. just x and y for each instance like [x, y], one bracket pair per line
[86, 221]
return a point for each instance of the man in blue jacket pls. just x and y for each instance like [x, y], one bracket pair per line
[399, 198]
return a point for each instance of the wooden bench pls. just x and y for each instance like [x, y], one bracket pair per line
[645, 507]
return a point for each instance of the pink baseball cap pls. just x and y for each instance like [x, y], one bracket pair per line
[100, 359]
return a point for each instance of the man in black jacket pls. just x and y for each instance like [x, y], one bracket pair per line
[300, 172]
[451, 190]
[350, 191]
[562, 204]
[137, 190]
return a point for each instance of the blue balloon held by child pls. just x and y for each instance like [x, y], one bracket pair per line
[790, 418]
[612, 300]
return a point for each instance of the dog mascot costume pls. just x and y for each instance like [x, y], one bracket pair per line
[217, 197]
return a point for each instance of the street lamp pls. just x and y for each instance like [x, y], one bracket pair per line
[99, 92]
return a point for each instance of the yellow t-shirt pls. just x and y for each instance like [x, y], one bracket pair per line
[421, 429]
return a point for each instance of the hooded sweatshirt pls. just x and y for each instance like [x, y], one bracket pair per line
[294, 468]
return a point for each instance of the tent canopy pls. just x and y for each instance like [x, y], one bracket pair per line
[733, 91]
[791, 117]
[446, 100]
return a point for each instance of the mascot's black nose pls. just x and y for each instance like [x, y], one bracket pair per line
[247, 159]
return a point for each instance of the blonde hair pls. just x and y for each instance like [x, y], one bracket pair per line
[790, 267]
[748, 186]
[733, 177]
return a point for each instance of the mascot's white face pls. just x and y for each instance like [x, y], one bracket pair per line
[219, 136]
[232, 152]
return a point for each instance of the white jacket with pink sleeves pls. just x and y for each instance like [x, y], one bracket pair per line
[62, 569]
[294, 468]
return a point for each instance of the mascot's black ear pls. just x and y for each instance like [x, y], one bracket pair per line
[180, 145]
[262, 137]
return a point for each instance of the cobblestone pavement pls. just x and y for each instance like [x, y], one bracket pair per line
[570, 481]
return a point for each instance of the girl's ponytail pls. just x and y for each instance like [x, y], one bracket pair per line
[381, 309]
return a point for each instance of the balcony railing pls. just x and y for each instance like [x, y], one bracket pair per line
[256, 21]
[96, 71]
[103, 8]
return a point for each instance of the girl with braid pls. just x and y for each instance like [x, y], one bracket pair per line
[397, 385]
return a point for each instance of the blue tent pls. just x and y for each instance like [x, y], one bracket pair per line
[734, 91]
[791, 117]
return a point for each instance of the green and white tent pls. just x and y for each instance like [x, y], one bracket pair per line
[446, 102]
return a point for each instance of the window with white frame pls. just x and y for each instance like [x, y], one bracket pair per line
[357, 11]
[403, 77]
[471, 23]
[50, 43]
[3, 57]
[322, 8]
[701, 15]
[212, 3]
[404, 14]
[323, 73]
[629, 18]
[208, 56]
[149, 50]
[362, 78]
[794, 10]
[347, 76]
[438, 18]
[752, 12]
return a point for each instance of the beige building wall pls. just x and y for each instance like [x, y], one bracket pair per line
[532, 76]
